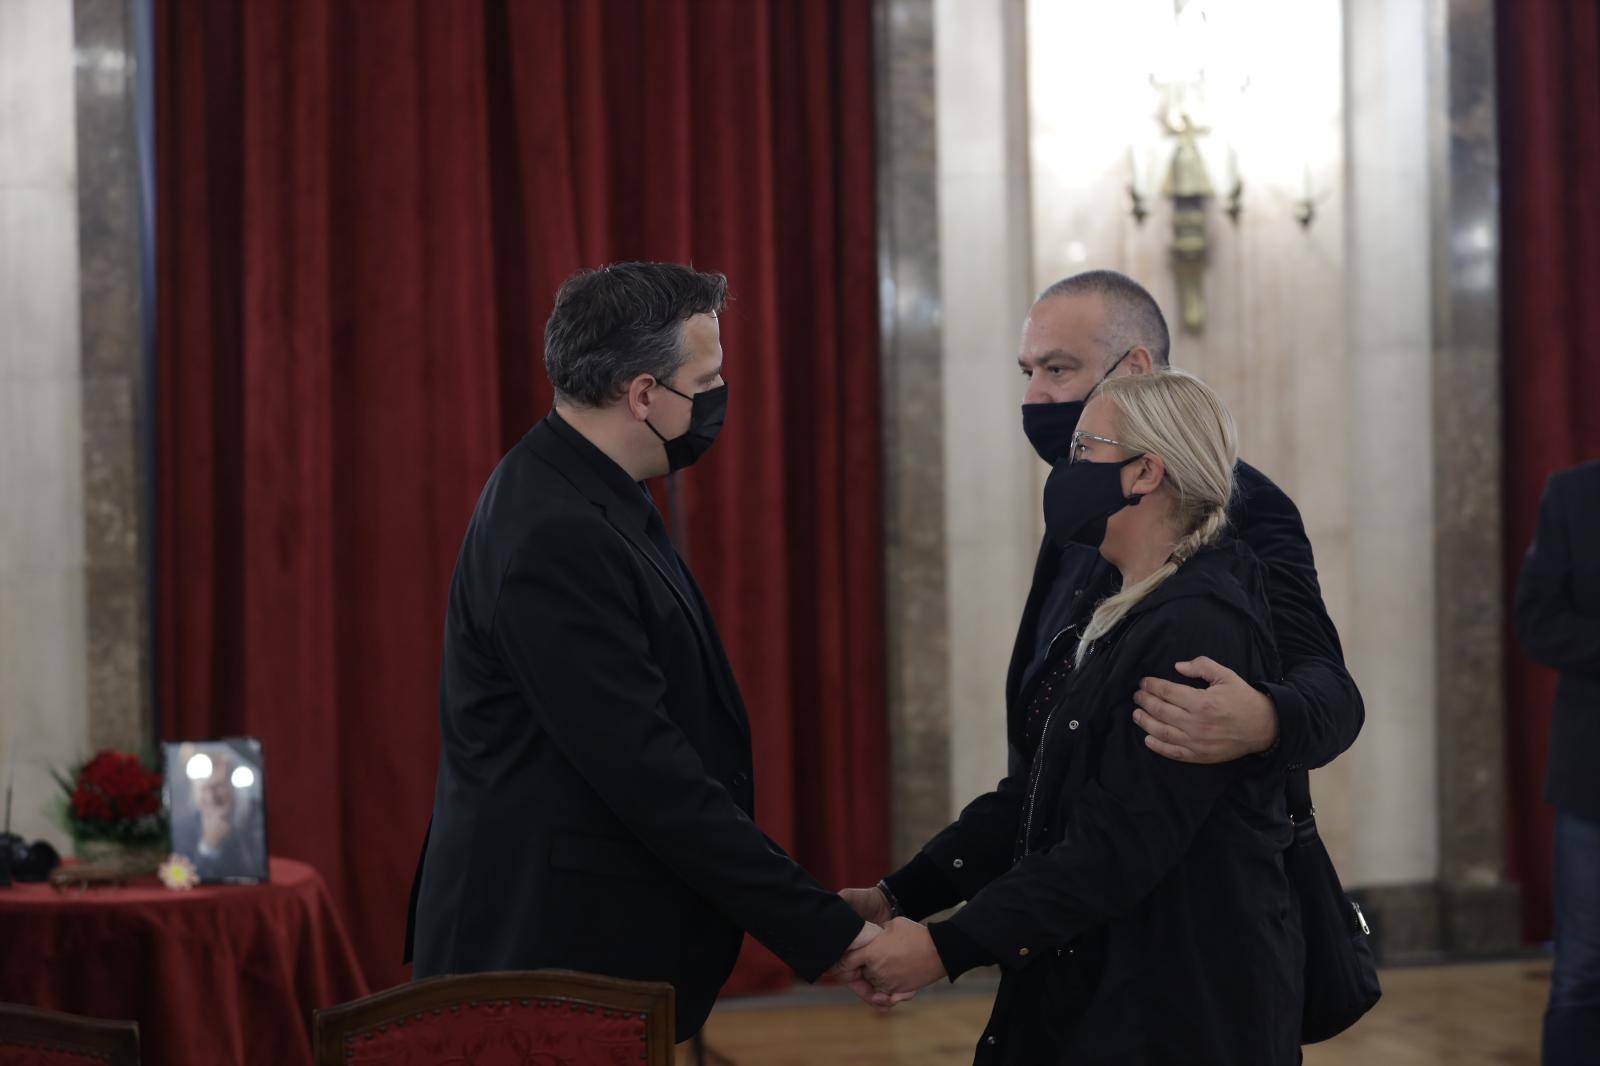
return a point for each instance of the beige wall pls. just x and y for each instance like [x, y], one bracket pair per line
[1389, 811]
[990, 502]
[43, 716]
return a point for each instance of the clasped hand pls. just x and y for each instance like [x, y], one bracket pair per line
[887, 964]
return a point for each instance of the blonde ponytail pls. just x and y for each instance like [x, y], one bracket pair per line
[1207, 532]
[1176, 416]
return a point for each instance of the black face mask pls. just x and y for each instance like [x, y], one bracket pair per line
[1079, 497]
[1049, 426]
[707, 412]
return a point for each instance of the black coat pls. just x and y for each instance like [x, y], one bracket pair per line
[1319, 708]
[594, 797]
[1147, 918]
[1558, 624]
[1320, 711]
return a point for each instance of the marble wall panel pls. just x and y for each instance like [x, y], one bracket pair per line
[1480, 906]
[913, 413]
[114, 385]
[990, 499]
[43, 716]
[1390, 644]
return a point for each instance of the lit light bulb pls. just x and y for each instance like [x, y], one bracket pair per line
[198, 767]
[243, 777]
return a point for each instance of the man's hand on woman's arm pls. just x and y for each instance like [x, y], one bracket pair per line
[1227, 720]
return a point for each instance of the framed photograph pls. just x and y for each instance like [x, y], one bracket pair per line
[216, 793]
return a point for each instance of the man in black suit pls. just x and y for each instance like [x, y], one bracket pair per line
[1558, 624]
[1080, 331]
[594, 802]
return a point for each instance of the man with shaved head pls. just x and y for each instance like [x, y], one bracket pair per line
[1118, 313]
[1079, 332]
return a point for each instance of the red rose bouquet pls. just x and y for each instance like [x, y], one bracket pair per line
[113, 798]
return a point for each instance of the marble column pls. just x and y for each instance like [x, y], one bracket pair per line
[1389, 853]
[74, 611]
[43, 647]
[115, 468]
[992, 508]
[1479, 908]
[913, 413]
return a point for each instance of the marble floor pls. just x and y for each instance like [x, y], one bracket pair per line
[1464, 1014]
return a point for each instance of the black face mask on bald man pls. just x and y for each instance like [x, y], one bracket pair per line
[1049, 426]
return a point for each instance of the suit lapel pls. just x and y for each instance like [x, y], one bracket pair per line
[721, 672]
[547, 444]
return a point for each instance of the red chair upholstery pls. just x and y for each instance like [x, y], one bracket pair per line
[541, 1018]
[33, 1037]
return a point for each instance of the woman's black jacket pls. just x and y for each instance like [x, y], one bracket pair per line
[1144, 916]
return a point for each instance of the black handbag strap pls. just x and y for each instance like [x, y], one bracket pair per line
[1297, 789]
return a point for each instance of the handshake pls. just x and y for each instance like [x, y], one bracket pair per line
[892, 958]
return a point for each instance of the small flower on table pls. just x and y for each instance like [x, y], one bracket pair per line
[178, 873]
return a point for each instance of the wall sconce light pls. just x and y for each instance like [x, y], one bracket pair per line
[1205, 69]
[1235, 187]
[1305, 206]
[1138, 193]
[1188, 186]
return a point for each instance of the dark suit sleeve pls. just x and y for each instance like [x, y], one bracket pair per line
[1549, 625]
[567, 625]
[1131, 824]
[1320, 710]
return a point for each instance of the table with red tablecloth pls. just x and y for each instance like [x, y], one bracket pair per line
[215, 975]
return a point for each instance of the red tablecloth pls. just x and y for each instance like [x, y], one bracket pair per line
[219, 975]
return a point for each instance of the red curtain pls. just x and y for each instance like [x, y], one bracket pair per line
[1549, 91]
[364, 211]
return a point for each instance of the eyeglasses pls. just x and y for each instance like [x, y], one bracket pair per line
[1079, 436]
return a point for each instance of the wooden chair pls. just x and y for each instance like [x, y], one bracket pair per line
[48, 1038]
[542, 1016]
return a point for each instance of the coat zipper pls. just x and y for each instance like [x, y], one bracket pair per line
[1033, 789]
[1044, 739]
[1038, 755]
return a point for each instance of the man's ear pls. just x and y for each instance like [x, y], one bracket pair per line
[638, 396]
[1139, 361]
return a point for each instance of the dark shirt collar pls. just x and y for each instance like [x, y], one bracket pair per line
[634, 503]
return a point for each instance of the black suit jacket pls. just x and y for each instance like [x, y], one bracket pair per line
[1558, 624]
[594, 797]
[1320, 710]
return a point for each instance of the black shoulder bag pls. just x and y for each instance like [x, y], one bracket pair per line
[1341, 976]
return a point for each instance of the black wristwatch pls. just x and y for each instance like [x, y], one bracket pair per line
[894, 904]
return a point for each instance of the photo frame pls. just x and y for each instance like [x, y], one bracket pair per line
[215, 794]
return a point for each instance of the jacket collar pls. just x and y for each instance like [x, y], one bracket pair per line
[626, 507]
[1227, 573]
[596, 474]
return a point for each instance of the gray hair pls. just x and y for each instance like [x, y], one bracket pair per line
[1133, 318]
[613, 324]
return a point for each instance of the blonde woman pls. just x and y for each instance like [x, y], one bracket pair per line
[1146, 918]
